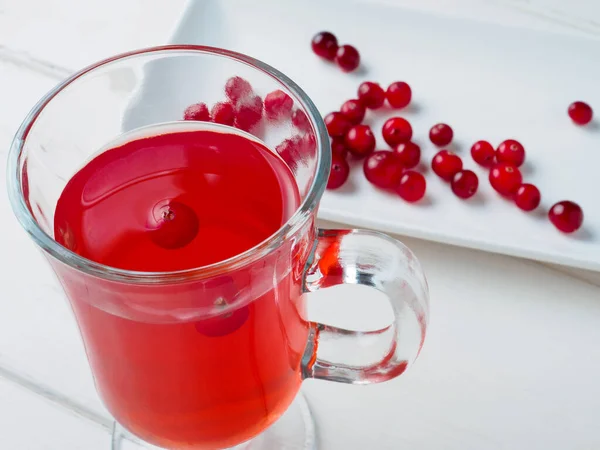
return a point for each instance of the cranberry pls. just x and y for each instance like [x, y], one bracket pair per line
[464, 184]
[337, 124]
[197, 111]
[172, 224]
[290, 150]
[249, 113]
[398, 94]
[300, 120]
[354, 111]
[396, 130]
[511, 152]
[223, 324]
[412, 186]
[408, 153]
[383, 169]
[223, 113]
[483, 153]
[441, 134]
[567, 216]
[505, 179]
[339, 172]
[278, 104]
[581, 113]
[360, 140]
[371, 95]
[528, 197]
[325, 45]
[237, 89]
[347, 58]
[446, 164]
[338, 147]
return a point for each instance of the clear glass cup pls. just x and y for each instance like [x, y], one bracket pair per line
[239, 340]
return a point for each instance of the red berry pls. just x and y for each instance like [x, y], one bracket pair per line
[290, 150]
[441, 134]
[278, 104]
[339, 172]
[446, 164]
[360, 140]
[511, 152]
[172, 224]
[354, 111]
[300, 120]
[567, 216]
[347, 58]
[528, 197]
[223, 113]
[383, 169]
[337, 124]
[371, 95]
[325, 45]
[197, 111]
[505, 179]
[483, 153]
[581, 113]
[249, 113]
[408, 153]
[237, 89]
[396, 130]
[465, 183]
[338, 147]
[398, 94]
[223, 324]
[412, 186]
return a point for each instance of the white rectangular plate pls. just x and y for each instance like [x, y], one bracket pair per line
[487, 81]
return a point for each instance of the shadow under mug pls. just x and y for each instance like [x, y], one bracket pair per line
[210, 357]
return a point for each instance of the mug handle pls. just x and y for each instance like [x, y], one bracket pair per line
[371, 259]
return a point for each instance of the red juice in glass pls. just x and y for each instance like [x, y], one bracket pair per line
[174, 197]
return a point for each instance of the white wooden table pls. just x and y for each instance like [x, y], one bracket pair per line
[512, 359]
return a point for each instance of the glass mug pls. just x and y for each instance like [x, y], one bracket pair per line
[210, 357]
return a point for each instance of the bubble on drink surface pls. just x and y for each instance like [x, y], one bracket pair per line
[225, 323]
[172, 224]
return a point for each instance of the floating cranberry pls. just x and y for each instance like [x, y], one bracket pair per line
[371, 95]
[465, 183]
[223, 113]
[278, 104]
[339, 172]
[338, 147]
[408, 153]
[441, 134]
[483, 153]
[581, 113]
[360, 140]
[325, 45]
[412, 186]
[223, 324]
[354, 111]
[396, 130]
[337, 124]
[172, 224]
[383, 169]
[197, 111]
[300, 120]
[446, 164]
[505, 179]
[249, 113]
[347, 57]
[567, 216]
[237, 89]
[398, 94]
[511, 152]
[528, 197]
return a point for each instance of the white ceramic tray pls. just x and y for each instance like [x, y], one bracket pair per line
[487, 81]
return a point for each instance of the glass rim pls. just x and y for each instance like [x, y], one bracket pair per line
[66, 256]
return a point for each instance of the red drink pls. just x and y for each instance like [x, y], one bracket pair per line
[167, 372]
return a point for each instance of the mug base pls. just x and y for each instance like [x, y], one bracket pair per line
[295, 430]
